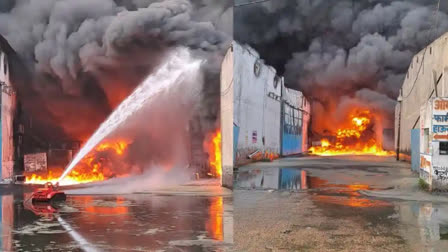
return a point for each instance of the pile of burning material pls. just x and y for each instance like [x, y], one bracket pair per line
[357, 137]
[262, 156]
[106, 161]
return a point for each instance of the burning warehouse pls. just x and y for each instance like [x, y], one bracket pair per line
[268, 119]
[70, 88]
[348, 58]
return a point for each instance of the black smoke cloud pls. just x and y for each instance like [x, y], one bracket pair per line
[84, 56]
[337, 52]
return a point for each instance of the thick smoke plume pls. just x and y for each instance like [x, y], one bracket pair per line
[342, 53]
[85, 57]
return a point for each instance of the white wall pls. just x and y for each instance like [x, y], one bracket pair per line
[256, 109]
[227, 118]
[435, 63]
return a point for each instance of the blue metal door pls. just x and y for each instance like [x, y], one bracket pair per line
[415, 150]
[236, 132]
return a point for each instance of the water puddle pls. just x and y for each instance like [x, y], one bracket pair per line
[424, 226]
[102, 223]
[272, 178]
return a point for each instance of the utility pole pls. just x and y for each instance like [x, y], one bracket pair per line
[400, 100]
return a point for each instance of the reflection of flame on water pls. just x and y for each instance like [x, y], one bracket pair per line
[355, 138]
[117, 208]
[348, 195]
[213, 148]
[215, 223]
[92, 168]
[351, 201]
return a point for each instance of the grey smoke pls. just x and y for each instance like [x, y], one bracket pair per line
[86, 56]
[339, 50]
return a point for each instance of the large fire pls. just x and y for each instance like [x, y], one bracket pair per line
[92, 168]
[356, 138]
[214, 150]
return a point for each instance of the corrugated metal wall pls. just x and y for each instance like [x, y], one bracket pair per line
[293, 122]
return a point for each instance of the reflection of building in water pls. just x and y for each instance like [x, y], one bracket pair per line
[425, 224]
[7, 213]
[273, 178]
[433, 222]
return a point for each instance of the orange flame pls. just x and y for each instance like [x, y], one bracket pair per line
[88, 170]
[351, 140]
[214, 151]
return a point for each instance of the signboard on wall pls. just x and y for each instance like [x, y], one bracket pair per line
[425, 162]
[440, 119]
[35, 162]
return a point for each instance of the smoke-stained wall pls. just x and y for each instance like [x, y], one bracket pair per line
[7, 112]
[342, 53]
[256, 104]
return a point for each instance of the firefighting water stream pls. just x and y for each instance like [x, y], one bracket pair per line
[179, 65]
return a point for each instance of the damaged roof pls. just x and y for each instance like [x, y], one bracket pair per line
[5, 46]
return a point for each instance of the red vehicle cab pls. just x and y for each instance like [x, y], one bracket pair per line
[47, 194]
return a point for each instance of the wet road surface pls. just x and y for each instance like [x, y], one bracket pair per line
[136, 222]
[316, 204]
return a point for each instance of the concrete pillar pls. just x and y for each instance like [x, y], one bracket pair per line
[227, 119]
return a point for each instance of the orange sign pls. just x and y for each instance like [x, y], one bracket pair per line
[441, 105]
[443, 137]
[424, 163]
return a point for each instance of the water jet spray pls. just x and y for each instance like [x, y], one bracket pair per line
[177, 66]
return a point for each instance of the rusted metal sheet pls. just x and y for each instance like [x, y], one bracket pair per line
[35, 162]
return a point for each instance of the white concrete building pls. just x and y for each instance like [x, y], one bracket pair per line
[427, 77]
[256, 113]
[254, 124]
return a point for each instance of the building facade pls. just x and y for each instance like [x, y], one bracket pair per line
[295, 120]
[260, 117]
[427, 77]
[7, 110]
[257, 100]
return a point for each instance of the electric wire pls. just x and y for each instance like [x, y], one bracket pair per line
[250, 3]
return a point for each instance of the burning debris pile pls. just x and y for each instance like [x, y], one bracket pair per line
[105, 162]
[356, 137]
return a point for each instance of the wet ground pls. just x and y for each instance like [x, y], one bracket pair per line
[317, 204]
[134, 222]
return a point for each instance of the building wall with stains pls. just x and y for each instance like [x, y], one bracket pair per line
[8, 104]
[427, 77]
[257, 95]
